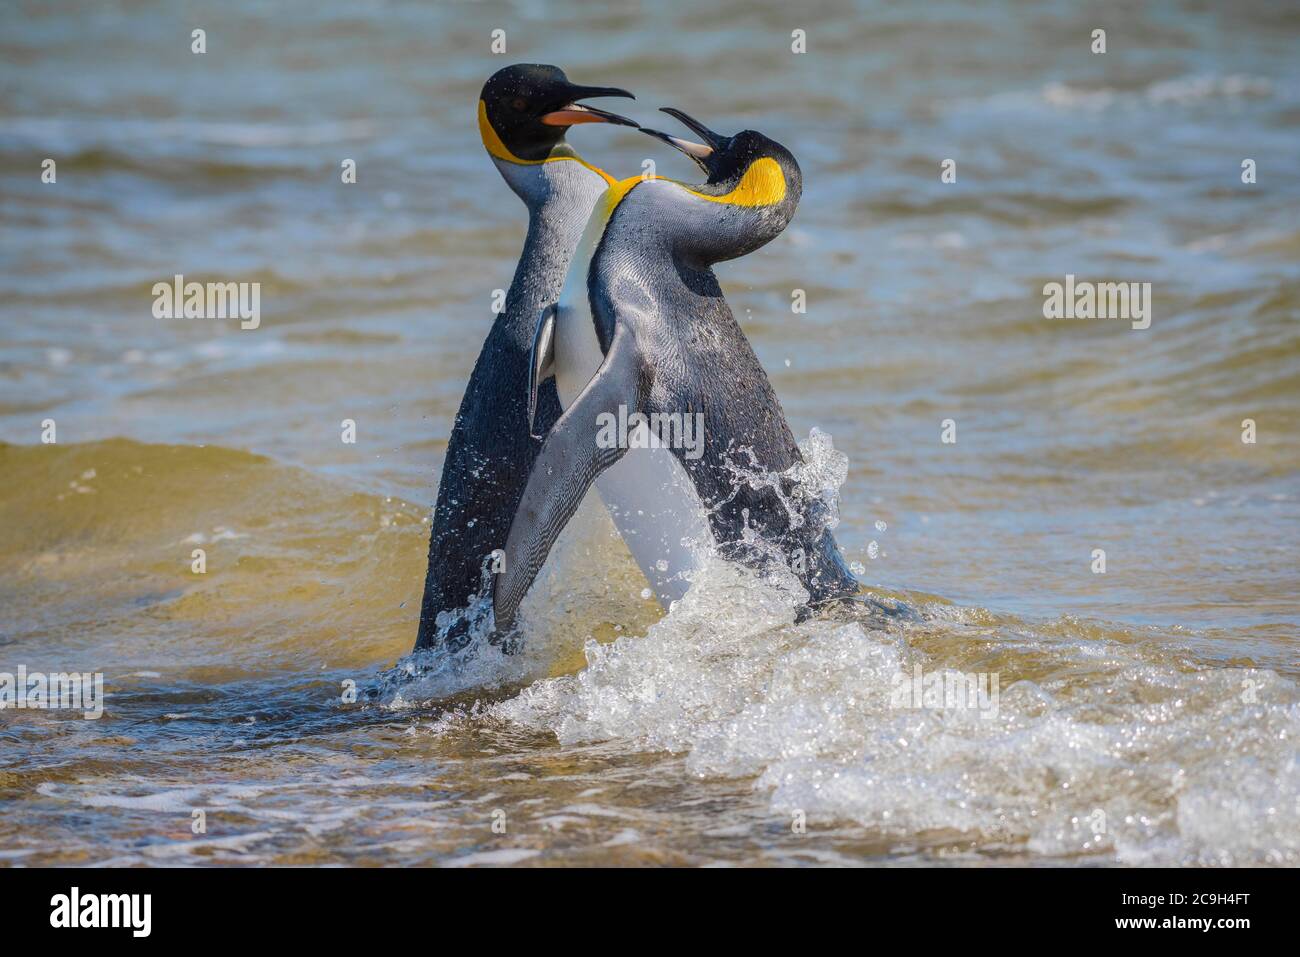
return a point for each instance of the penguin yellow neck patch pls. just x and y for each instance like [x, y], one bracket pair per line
[492, 143]
[762, 185]
[618, 189]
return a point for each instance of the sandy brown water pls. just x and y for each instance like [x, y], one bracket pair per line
[1147, 715]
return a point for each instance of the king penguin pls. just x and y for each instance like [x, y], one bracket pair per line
[523, 114]
[642, 334]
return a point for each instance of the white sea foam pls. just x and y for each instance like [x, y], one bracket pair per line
[1141, 762]
[1181, 91]
[1104, 741]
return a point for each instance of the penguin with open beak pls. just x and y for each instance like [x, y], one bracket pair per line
[707, 155]
[524, 112]
[642, 335]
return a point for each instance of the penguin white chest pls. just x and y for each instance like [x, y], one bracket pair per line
[647, 492]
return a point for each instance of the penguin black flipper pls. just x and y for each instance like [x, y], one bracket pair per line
[570, 460]
[541, 365]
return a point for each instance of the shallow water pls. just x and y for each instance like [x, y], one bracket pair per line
[1149, 714]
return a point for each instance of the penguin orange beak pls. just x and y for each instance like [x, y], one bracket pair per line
[575, 113]
[702, 153]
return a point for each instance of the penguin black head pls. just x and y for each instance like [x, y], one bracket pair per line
[726, 159]
[525, 110]
[753, 178]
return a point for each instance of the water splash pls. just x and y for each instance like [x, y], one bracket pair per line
[1129, 764]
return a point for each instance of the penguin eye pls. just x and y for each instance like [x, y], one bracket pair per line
[520, 104]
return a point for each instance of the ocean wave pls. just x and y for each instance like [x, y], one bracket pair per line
[89, 132]
[294, 564]
[1098, 746]
[1179, 91]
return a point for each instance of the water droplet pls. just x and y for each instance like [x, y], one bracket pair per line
[646, 593]
[873, 550]
[880, 525]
